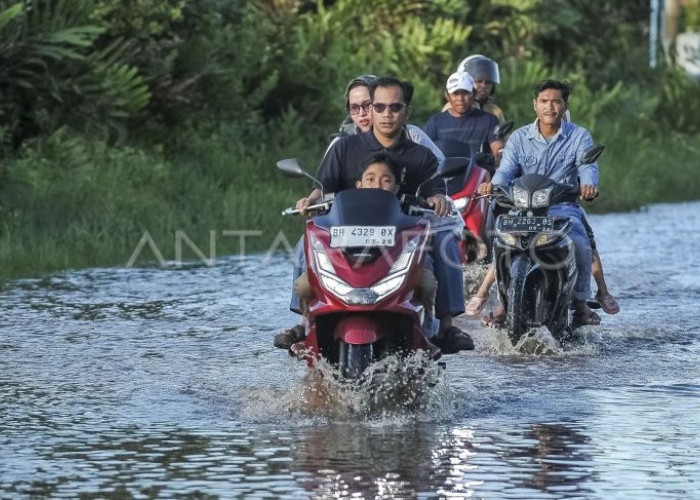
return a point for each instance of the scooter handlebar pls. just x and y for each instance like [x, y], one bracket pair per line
[322, 207]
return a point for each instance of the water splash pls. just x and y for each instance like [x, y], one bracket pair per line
[396, 388]
[540, 342]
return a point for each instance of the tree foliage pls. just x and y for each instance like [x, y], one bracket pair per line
[51, 72]
[93, 64]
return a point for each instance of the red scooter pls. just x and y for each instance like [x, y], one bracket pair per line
[462, 189]
[364, 258]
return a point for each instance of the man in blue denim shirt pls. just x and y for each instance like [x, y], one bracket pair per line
[551, 146]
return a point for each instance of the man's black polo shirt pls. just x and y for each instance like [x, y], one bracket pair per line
[342, 165]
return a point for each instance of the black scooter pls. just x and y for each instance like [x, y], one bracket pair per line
[533, 254]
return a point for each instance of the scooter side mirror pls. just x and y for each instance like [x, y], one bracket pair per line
[592, 154]
[291, 167]
[503, 129]
[454, 166]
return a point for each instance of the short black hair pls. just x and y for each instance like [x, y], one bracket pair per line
[388, 160]
[390, 81]
[550, 83]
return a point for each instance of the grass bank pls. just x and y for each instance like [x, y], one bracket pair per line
[636, 170]
[78, 203]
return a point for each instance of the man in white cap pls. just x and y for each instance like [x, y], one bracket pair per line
[462, 121]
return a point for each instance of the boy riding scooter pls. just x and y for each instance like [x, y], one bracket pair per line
[379, 171]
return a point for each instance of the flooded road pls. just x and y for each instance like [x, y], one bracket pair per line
[162, 383]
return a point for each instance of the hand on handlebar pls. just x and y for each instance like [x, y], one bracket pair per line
[304, 203]
[440, 204]
[485, 188]
[588, 192]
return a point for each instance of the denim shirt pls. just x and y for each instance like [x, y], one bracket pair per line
[527, 152]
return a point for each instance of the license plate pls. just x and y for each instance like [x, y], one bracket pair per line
[362, 236]
[527, 224]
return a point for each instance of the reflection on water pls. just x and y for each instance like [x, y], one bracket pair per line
[149, 383]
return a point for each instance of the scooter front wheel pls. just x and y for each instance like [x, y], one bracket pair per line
[353, 359]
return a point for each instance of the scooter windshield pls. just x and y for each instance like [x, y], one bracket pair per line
[366, 207]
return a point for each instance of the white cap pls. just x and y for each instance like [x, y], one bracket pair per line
[460, 81]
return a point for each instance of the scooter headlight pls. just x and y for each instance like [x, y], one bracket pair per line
[398, 272]
[540, 198]
[322, 260]
[337, 286]
[366, 296]
[520, 197]
[461, 203]
[508, 239]
[388, 285]
[547, 238]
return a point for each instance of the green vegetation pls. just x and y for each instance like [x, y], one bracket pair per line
[122, 117]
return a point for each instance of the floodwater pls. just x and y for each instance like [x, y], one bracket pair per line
[163, 383]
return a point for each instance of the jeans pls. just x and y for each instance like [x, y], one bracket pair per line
[299, 267]
[447, 268]
[582, 246]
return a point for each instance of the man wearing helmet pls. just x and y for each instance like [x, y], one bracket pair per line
[484, 71]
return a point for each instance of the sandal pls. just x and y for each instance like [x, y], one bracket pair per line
[287, 338]
[476, 305]
[452, 340]
[591, 319]
[494, 319]
[608, 303]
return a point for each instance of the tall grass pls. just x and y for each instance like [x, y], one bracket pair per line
[86, 204]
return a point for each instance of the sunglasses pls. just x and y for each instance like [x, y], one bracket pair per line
[394, 107]
[354, 109]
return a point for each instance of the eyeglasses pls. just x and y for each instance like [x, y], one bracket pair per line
[394, 107]
[354, 109]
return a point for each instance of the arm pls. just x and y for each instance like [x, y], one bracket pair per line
[588, 174]
[509, 167]
[328, 174]
[496, 149]
[331, 167]
[434, 191]
[431, 129]
[496, 142]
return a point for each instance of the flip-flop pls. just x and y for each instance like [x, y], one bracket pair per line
[494, 320]
[591, 319]
[608, 303]
[476, 305]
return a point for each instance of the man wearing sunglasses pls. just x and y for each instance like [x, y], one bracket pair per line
[341, 166]
[359, 116]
